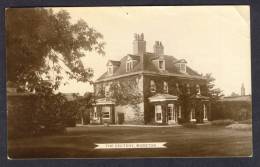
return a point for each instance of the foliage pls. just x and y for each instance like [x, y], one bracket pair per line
[233, 94]
[126, 92]
[213, 93]
[248, 121]
[224, 122]
[35, 35]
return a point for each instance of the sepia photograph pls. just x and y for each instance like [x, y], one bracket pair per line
[128, 82]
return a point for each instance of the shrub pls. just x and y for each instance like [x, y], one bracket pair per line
[248, 121]
[181, 120]
[190, 125]
[224, 122]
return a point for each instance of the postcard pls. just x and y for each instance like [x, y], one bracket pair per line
[129, 82]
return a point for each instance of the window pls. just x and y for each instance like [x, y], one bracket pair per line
[198, 89]
[106, 112]
[205, 114]
[95, 113]
[188, 88]
[129, 66]
[158, 113]
[179, 112]
[107, 91]
[192, 115]
[110, 70]
[161, 64]
[182, 67]
[171, 113]
[177, 88]
[165, 87]
[152, 86]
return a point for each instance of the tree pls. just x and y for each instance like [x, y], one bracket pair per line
[213, 93]
[36, 35]
[233, 94]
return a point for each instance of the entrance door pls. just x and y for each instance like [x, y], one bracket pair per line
[171, 114]
[121, 118]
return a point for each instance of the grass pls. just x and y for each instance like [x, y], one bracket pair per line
[181, 142]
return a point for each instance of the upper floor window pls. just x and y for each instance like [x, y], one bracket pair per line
[129, 66]
[110, 69]
[107, 91]
[161, 64]
[177, 88]
[182, 67]
[198, 89]
[152, 86]
[165, 87]
[188, 88]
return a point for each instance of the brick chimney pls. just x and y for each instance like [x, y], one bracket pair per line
[139, 44]
[158, 48]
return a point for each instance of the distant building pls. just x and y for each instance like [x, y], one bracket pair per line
[161, 81]
[235, 108]
[243, 90]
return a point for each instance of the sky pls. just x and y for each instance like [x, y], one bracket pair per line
[213, 39]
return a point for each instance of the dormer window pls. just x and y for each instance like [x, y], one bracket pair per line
[165, 87]
[129, 66]
[110, 70]
[152, 86]
[181, 65]
[112, 66]
[161, 64]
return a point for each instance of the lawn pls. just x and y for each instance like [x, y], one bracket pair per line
[79, 142]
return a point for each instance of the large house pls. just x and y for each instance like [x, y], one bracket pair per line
[149, 88]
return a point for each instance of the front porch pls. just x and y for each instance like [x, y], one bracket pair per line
[103, 112]
[166, 109]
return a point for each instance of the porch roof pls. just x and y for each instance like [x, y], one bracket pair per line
[162, 97]
[105, 101]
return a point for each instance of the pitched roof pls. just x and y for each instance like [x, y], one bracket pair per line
[149, 67]
[237, 98]
[116, 63]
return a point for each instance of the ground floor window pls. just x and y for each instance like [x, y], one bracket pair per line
[205, 113]
[158, 113]
[95, 113]
[106, 112]
[171, 112]
[179, 112]
[192, 115]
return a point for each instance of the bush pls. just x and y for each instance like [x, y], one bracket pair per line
[39, 115]
[181, 120]
[190, 125]
[224, 122]
[248, 121]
